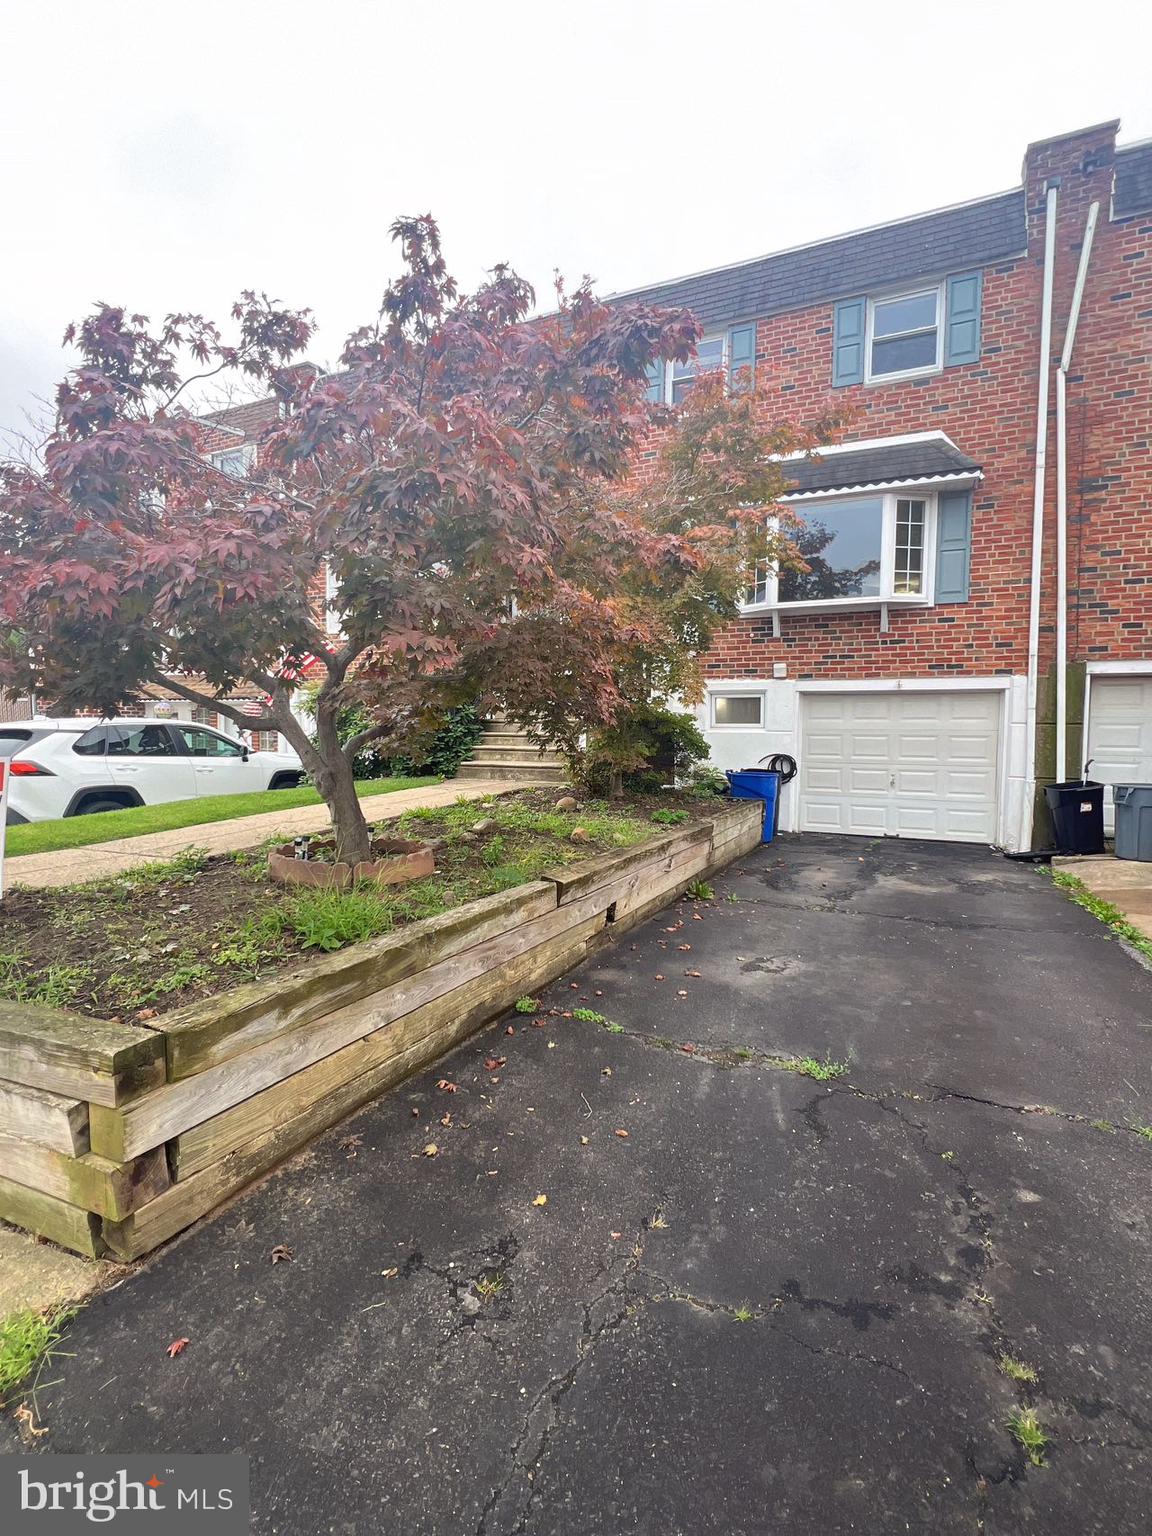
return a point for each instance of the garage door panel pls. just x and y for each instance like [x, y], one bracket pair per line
[867, 820]
[1120, 734]
[917, 781]
[915, 764]
[867, 781]
[830, 780]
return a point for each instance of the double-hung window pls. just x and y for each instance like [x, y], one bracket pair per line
[732, 351]
[905, 333]
[849, 550]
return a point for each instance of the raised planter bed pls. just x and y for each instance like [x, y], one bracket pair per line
[114, 1137]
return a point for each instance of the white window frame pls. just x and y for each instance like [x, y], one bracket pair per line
[887, 597]
[936, 289]
[734, 693]
[670, 366]
[217, 458]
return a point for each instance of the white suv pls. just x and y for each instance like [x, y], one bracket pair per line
[74, 767]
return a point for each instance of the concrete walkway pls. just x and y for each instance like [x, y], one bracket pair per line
[752, 1302]
[72, 866]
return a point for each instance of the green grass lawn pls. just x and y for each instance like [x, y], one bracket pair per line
[79, 831]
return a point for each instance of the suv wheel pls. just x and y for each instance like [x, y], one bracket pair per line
[97, 803]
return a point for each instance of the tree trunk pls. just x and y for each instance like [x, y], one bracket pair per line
[331, 772]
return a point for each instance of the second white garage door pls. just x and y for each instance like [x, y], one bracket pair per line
[1120, 734]
[901, 764]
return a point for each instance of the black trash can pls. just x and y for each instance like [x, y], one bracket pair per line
[1077, 816]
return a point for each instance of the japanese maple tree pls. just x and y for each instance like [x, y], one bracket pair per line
[461, 455]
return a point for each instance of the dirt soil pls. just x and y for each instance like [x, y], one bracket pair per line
[165, 935]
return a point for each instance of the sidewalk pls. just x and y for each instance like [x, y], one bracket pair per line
[72, 866]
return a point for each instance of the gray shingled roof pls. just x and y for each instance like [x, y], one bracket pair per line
[1133, 190]
[931, 245]
[886, 464]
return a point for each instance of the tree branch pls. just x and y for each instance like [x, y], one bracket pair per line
[234, 713]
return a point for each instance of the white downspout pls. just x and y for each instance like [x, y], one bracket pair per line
[1062, 497]
[1038, 517]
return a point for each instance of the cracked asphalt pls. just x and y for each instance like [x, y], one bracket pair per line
[774, 1305]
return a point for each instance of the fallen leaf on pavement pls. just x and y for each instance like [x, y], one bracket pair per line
[551, 1045]
[390, 1274]
[658, 977]
[680, 992]
[281, 1254]
[622, 1134]
[431, 1150]
[177, 1347]
[615, 1236]
[583, 1141]
[540, 1200]
[446, 1085]
[683, 948]
[446, 1119]
[415, 1112]
[689, 1050]
[691, 973]
[605, 1071]
[494, 1063]
[511, 1030]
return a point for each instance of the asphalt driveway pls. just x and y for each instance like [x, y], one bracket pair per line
[773, 1305]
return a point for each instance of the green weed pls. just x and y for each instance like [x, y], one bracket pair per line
[1025, 1428]
[670, 818]
[1104, 911]
[527, 1004]
[56, 986]
[1016, 1369]
[700, 890]
[809, 1066]
[588, 1016]
[330, 919]
[28, 1340]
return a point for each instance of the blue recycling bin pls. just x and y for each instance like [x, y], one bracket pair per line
[757, 784]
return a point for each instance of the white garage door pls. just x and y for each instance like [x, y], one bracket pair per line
[901, 764]
[1120, 734]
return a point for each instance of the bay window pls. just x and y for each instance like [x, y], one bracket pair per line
[857, 551]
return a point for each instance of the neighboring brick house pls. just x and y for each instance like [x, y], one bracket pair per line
[897, 671]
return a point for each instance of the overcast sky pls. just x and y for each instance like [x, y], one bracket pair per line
[166, 155]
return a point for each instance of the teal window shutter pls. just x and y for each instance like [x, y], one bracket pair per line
[953, 546]
[962, 322]
[655, 374]
[848, 342]
[741, 357]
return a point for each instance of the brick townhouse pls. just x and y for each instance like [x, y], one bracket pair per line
[920, 672]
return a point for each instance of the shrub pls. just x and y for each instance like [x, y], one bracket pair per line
[645, 749]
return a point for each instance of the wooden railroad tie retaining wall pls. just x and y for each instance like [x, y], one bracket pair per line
[113, 1138]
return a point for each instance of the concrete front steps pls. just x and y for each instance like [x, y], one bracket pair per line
[505, 752]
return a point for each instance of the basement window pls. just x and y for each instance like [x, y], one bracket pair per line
[738, 709]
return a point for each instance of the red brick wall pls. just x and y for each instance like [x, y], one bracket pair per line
[989, 410]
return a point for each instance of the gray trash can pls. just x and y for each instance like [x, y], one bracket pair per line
[1133, 821]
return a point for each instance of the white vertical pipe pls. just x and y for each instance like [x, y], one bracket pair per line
[1062, 495]
[1038, 516]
